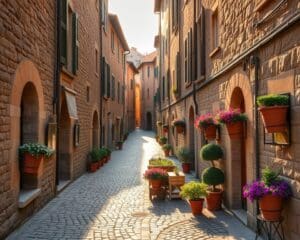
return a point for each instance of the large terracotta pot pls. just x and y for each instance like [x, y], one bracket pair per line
[214, 200]
[93, 166]
[167, 153]
[196, 206]
[179, 129]
[32, 163]
[274, 118]
[271, 207]
[186, 167]
[156, 183]
[210, 132]
[235, 129]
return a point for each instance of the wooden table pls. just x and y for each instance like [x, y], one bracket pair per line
[176, 181]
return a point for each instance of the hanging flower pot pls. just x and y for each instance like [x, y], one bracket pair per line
[208, 124]
[274, 110]
[159, 123]
[165, 128]
[271, 207]
[167, 148]
[234, 121]
[179, 125]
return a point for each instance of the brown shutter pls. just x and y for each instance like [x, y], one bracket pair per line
[63, 32]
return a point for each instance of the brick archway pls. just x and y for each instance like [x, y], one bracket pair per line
[240, 152]
[26, 76]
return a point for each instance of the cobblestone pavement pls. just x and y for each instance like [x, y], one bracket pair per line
[113, 203]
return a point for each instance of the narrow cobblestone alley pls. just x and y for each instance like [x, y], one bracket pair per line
[113, 203]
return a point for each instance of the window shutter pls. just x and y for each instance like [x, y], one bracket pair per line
[74, 42]
[103, 76]
[190, 62]
[178, 78]
[113, 88]
[108, 81]
[63, 32]
[202, 46]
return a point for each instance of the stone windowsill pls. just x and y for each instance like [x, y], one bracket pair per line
[214, 52]
[27, 196]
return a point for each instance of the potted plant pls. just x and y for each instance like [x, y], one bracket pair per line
[103, 156]
[194, 192]
[208, 124]
[126, 136]
[163, 141]
[179, 125]
[184, 155]
[270, 193]
[234, 121]
[165, 128]
[159, 123]
[167, 148]
[33, 154]
[119, 145]
[274, 109]
[156, 176]
[213, 176]
[95, 159]
[107, 153]
[162, 163]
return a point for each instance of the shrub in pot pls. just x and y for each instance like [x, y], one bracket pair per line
[274, 109]
[33, 154]
[213, 176]
[156, 176]
[163, 140]
[234, 121]
[95, 158]
[194, 192]
[185, 156]
[270, 193]
[208, 124]
[108, 153]
[179, 125]
[167, 148]
[162, 163]
[103, 156]
[119, 145]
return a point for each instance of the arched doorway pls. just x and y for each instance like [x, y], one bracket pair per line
[238, 153]
[65, 141]
[29, 126]
[149, 121]
[192, 137]
[95, 130]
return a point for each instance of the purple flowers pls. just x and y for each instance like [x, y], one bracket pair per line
[258, 189]
[205, 120]
[231, 116]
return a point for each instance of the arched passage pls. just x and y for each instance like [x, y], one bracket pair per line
[192, 136]
[95, 130]
[149, 121]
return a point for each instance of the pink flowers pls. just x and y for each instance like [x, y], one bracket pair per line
[231, 116]
[155, 173]
[205, 120]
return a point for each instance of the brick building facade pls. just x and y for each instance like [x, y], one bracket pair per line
[214, 55]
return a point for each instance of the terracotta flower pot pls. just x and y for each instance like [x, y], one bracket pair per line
[210, 132]
[271, 207]
[179, 129]
[105, 159]
[274, 118]
[93, 167]
[214, 200]
[32, 164]
[186, 167]
[165, 129]
[196, 206]
[235, 129]
[167, 153]
[156, 183]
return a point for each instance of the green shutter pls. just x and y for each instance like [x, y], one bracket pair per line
[63, 32]
[108, 81]
[74, 42]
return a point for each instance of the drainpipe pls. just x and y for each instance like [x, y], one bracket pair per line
[56, 102]
[100, 75]
[195, 60]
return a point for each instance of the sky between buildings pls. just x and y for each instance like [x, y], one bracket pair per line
[138, 21]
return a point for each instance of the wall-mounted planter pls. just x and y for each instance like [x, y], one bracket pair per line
[274, 118]
[210, 132]
[32, 163]
[179, 125]
[165, 128]
[235, 129]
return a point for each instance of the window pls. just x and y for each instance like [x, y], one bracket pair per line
[148, 93]
[200, 47]
[123, 94]
[113, 88]
[215, 29]
[175, 14]
[148, 69]
[163, 89]
[97, 61]
[104, 15]
[118, 92]
[178, 76]
[112, 41]
[118, 52]
[88, 94]
[186, 60]
[131, 84]
[69, 38]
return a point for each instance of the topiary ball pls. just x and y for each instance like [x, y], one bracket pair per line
[211, 152]
[213, 176]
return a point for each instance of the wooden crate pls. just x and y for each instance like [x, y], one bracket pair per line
[175, 184]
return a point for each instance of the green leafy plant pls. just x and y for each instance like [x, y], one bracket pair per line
[158, 123]
[161, 162]
[213, 176]
[107, 151]
[194, 190]
[184, 154]
[36, 149]
[273, 100]
[167, 147]
[211, 152]
[163, 140]
[269, 176]
[95, 155]
[178, 122]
